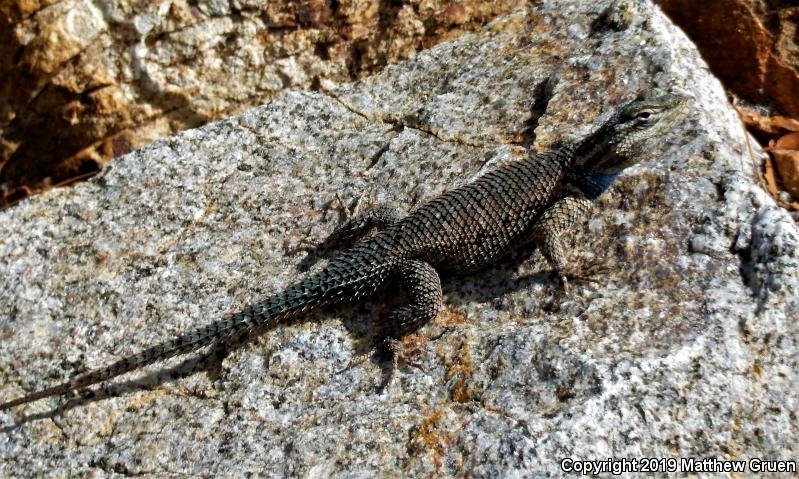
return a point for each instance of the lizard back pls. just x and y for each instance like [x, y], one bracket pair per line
[470, 227]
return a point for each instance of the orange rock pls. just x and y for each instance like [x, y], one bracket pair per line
[749, 44]
[789, 141]
[82, 81]
[767, 124]
[787, 162]
[786, 158]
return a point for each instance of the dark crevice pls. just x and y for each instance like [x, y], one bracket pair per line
[542, 94]
[334, 6]
[617, 17]
[744, 265]
[748, 261]
[85, 94]
[379, 154]
[322, 49]
[18, 55]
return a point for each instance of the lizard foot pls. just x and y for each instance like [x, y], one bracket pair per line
[347, 226]
[349, 212]
[399, 355]
[586, 274]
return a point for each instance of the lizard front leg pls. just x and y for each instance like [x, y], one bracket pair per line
[548, 228]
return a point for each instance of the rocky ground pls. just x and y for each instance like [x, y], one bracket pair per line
[687, 347]
[83, 82]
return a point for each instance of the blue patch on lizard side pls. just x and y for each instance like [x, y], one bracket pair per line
[596, 183]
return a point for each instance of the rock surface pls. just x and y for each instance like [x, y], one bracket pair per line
[84, 81]
[753, 47]
[687, 347]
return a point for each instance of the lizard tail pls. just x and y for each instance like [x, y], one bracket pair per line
[314, 291]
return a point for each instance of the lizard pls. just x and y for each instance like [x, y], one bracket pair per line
[531, 200]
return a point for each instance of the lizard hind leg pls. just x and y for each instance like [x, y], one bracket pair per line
[423, 287]
[357, 225]
[354, 227]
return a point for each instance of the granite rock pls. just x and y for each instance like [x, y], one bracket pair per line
[685, 348]
[84, 81]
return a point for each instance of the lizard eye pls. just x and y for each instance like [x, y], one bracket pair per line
[644, 115]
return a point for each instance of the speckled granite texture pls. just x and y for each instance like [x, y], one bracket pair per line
[686, 348]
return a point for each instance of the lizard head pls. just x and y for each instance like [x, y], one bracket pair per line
[631, 132]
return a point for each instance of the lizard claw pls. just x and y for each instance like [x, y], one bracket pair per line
[348, 227]
[587, 274]
[597, 267]
[349, 211]
[302, 246]
[580, 277]
[399, 354]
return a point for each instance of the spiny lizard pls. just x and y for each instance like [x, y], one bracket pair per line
[534, 199]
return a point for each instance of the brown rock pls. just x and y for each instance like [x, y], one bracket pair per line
[786, 157]
[82, 82]
[751, 45]
[787, 162]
